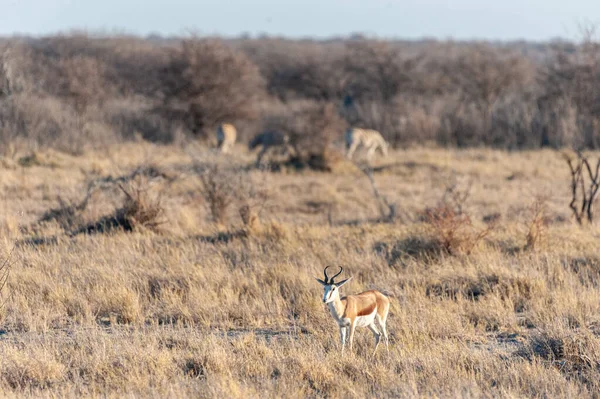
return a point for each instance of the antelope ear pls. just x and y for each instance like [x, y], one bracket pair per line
[321, 281]
[343, 282]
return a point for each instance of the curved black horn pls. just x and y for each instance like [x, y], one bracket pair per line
[325, 274]
[340, 272]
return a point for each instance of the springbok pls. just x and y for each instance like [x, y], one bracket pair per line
[369, 139]
[226, 136]
[358, 310]
[269, 140]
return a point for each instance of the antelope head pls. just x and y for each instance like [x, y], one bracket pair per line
[330, 286]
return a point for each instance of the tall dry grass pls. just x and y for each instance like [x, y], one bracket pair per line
[196, 309]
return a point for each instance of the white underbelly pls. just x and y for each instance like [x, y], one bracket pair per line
[364, 321]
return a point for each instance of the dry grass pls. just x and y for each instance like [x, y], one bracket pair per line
[196, 310]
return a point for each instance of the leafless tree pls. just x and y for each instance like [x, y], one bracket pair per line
[205, 82]
[584, 185]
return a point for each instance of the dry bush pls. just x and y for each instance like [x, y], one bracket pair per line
[81, 80]
[141, 209]
[218, 190]
[455, 232]
[299, 70]
[376, 71]
[5, 271]
[223, 189]
[484, 74]
[381, 89]
[311, 128]
[481, 76]
[253, 196]
[71, 68]
[32, 122]
[451, 224]
[206, 82]
[537, 225]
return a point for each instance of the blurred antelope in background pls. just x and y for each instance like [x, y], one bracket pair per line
[360, 310]
[226, 136]
[371, 140]
[269, 140]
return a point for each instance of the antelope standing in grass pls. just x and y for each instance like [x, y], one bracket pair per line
[269, 140]
[367, 138]
[226, 136]
[360, 310]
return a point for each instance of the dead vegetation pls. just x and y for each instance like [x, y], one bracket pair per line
[584, 185]
[537, 225]
[206, 83]
[200, 309]
[140, 209]
[203, 283]
[218, 191]
[73, 92]
[452, 225]
[310, 129]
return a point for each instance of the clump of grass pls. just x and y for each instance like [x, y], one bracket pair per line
[31, 372]
[249, 217]
[575, 353]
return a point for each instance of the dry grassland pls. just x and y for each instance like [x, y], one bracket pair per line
[205, 309]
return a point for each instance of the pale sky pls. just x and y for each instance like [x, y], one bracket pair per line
[408, 19]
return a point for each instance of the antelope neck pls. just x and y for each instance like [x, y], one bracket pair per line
[336, 307]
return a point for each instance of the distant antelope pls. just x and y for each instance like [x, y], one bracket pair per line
[358, 310]
[269, 140]
[226, 136]
[369, 139]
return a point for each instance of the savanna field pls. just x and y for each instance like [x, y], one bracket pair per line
[137, 260]
[182, 305]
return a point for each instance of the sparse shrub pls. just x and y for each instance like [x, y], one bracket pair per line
[249, 217]
[537, 223]
[140, 210]
[451, 224]
[454, 232]
[218, 191]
